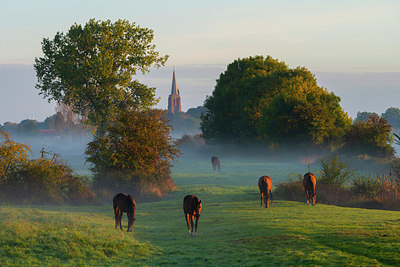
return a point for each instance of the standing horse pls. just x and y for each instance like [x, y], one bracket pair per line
[265, 186]
[124, 203]
[192, 209]
[309, 183]
[215, 163]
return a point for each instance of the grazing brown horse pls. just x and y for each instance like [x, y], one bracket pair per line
[215, 163]
[124, 203]
[309, 183]
[192, 209]
[265, 186]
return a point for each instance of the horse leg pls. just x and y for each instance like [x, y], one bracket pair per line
[197, 220]
[313, 199]
[120, 218]
[219, 167]
[116, 211]
[187, 221]
[306, 201]
[191, 224]
[262, 196]
[267, 201]
[272, 200]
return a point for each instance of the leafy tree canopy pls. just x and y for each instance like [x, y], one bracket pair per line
[364, 116]
[392, 115]
[91, 68]
[372, 137]
[137, 149]
[262, 98]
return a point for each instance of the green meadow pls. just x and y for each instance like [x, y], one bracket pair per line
[233, 229]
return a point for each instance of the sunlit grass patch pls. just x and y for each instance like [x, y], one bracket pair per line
[37, 237]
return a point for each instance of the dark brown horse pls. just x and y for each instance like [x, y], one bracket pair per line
[124, 203]
[192, 209]
[265, 186]
[309, 183]
[215, 163]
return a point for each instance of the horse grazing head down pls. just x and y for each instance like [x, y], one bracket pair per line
[215, 163]
[265, 186]
[124, 203]
[309, 183]
[192, 208]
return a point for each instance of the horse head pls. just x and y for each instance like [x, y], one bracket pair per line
[198, 208]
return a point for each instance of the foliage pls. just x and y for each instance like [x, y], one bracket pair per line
[290, 190]
[196, 112]
[28, 128]
[91, 68]
[389, 192]
[261, 98]
[335, 171]
[13, 155]
[46, 180]
[365, 185]
[43, 180]
[364, 116]
[301, 111]
[395, 168]
[392, 115]
[137, 151]
[372, 137]
[396, 139]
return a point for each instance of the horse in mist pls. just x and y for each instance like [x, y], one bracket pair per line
[265, 186]
[309, 183]
[124, 203]
[192, 209]
[215, 163]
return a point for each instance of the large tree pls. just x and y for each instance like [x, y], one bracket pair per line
[372, 137]
[136, 153]
[259, 98]
[91, 68]
[392, 115]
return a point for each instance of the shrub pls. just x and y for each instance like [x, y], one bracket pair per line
[333, 194]
[46, 181]
[365, 185]
[292, 189]
[389, 192]
[12, 154]
[370, 137]
[335, 171]
[396, 169]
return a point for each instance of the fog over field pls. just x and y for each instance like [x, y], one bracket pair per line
[369, 91]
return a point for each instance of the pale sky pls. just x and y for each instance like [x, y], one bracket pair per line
[353, 47]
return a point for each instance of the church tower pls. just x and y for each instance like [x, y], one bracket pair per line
[174, 99]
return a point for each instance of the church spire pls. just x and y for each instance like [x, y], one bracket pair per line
[174, 99]
[174, 89]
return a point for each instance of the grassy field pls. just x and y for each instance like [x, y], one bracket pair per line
[233, 229]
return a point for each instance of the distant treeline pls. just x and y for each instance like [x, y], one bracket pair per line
[187, 122]
[392, 115]
[62, 123]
